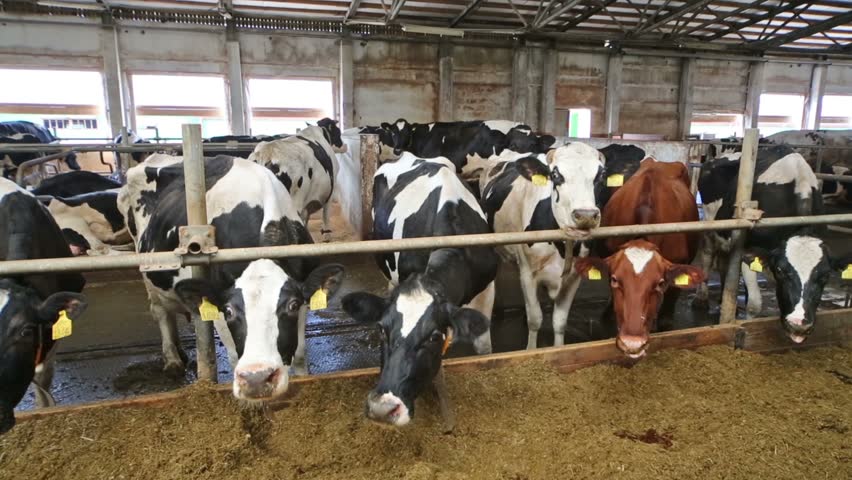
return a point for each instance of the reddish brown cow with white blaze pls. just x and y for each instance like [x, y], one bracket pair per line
[641, 271]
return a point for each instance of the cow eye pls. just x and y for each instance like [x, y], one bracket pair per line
[27, 331]
[293, 305]
[557, 177]
[436, 337]
[614, 283]
[229, 313]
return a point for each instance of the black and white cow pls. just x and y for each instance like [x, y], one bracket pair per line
[784, 186]
[90, 222]
[840, 141]
[30, 304]
[522, 192]
[71, 184]
[264, 302]
[134, 139]
[424, 313]
[20, 131]
[306, 165]
[622, 161]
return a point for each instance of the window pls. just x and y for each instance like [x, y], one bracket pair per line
[836, 112]
[716, 125]
[166, 102]
[579, 123]
[780, 112]
[63, 101]
[283, 105]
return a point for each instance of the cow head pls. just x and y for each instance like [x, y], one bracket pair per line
[417, 325]
[332, 133]
[25, 339]
[401, 132]
[801, 267]
[638, 277]
[386, 141]
[575, 172]
[262, 311]
[521, 138]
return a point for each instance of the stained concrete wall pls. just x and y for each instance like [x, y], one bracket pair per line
[719, 86]
[581, 83]
[482, 83]
[649, 95]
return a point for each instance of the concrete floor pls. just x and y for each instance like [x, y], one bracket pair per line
[115, 349]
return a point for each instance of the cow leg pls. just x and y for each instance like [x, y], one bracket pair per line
[484, 304]
[444, 403]
[755, 299]
[701, 299]
[533, 308]
[300, 366]
[562, 306]
[326, 226]
[172, 353]
[43, 379]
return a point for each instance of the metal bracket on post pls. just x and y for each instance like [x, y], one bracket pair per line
[197, 240]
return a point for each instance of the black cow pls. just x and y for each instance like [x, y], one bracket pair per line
[423, 315]
[622, 161]
[262, 301]
[30, 304]
[784, 186]
[21, 132]
[71, 184]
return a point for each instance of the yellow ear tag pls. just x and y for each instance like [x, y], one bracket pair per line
[63, 326]
[594, 274]
[755, 265]
[682, 280]
[319, 300]
[208, 311]
[847, 274]
[539, 180]
[448, 340]
[615, 180]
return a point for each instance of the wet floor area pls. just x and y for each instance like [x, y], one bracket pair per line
[115, 349]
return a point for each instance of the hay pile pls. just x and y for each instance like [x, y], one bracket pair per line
[713, 413]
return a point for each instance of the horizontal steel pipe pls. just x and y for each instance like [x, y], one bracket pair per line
[22, 168]
[110, 147]
[117, 262]
[837, 178]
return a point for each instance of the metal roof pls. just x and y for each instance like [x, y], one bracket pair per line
[800, 26]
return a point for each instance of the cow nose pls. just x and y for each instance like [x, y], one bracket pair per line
[586, 217]
[633, 346]
[387, 408]
[256, 381]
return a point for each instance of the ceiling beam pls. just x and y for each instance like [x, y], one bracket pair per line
[813, 29]
[672, 15]
[718, 18]
[771, 13]
[566, 5]
[353, 9]
[591, 12]
[470, 8]
[396, 6]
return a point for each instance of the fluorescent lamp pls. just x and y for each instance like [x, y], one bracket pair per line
[448, 32]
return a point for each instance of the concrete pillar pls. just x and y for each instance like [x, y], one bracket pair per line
[445, 87]
[613, 93]
[813, 104]
[347, 84]
[684, 103]
[550, 75]
[755, 88]
[520, 83]
[236, 89]
[112, 78]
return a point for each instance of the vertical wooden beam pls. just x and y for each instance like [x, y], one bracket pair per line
[613, 92]
[755, 88]
[813, 104]
[236, 89]
[369, 160]
[520, 83]
[445, 86]
[550, 76]
[684, 103]
[347, 84]
[112, 77]
[745, 182]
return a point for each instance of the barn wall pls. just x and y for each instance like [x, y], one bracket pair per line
[838, 80]
[581, 83]
[163, 50]
[719, 86]
[649, 95]
[482, 83]
[267, 55]
[30, 45]
[793, 78]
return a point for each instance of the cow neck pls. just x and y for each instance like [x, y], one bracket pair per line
[40, 348]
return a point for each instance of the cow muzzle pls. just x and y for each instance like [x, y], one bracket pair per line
[634, 347]
[387, 408]
[798, 329]
[586, 218]
[257, 382]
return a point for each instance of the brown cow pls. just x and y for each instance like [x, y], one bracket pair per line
[642, 270]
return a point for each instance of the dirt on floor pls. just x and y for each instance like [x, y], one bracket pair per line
[714, 413]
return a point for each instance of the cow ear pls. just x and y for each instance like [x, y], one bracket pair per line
[752, 254]
[193, 291]
[385, 125]
[586, 266]
[546, 141]
[843, 265]
[467, 323]
[550, 154]
[364, 307]
[327, 277]
[531, 166]
[74, 304]
[684, 276]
